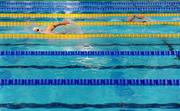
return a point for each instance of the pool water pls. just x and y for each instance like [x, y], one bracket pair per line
[113, 29]
[27, 98]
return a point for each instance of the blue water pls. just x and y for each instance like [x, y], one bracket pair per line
[66, 67]
[92, 94]
[89, 7]
[114, 29]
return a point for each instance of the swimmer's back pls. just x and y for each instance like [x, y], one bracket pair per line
[145, 19]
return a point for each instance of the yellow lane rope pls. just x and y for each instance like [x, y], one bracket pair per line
[83, 36]
[91, 23]
[79, 15]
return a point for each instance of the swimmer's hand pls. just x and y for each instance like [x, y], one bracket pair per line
[66, 22]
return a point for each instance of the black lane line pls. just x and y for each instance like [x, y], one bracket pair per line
[116, 44]
[170, 47]
[81, 106]
[91, 67]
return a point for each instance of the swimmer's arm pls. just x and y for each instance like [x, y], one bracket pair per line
[53, 26]
[61, 23]
[130, 19]
[139, 16]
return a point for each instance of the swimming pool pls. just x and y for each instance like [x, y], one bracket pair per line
[96, 97]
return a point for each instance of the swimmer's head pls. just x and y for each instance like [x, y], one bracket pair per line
[36, 29]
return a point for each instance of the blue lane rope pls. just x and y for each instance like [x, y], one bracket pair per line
[92, 82]
[89, 53]
[48, 4]
[93, 9]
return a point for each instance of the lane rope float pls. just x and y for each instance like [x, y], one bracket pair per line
[91, 82]
[30, 15]
[83, 36]
[92, 23]
[92, 9]
[90, 53]
[72, 3]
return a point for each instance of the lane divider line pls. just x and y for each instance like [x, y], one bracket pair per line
[90, 82]
[92, 23]
[83, 36]
[89, 53]
[72, 3]
[29, 15]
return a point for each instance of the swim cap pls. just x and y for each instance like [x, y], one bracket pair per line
[35, 28]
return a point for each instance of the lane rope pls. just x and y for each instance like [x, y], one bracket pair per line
[91, 82]
[92, 9]
[30, 15]
[71, 3]
[83, 36]
[89, 53]
[92, 23]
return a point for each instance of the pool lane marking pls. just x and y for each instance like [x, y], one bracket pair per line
[90, 9]
[84, 36]
[171, 48]
[51, 105]
[91, 23]
[60, 105]
[71, 3]
[90, 53]
[116, 67]
[90, 82]
[29, 15]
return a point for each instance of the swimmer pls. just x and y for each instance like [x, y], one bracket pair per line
[138, 18]
[70, 29]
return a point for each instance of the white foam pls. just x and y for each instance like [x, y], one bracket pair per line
[176, 19]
